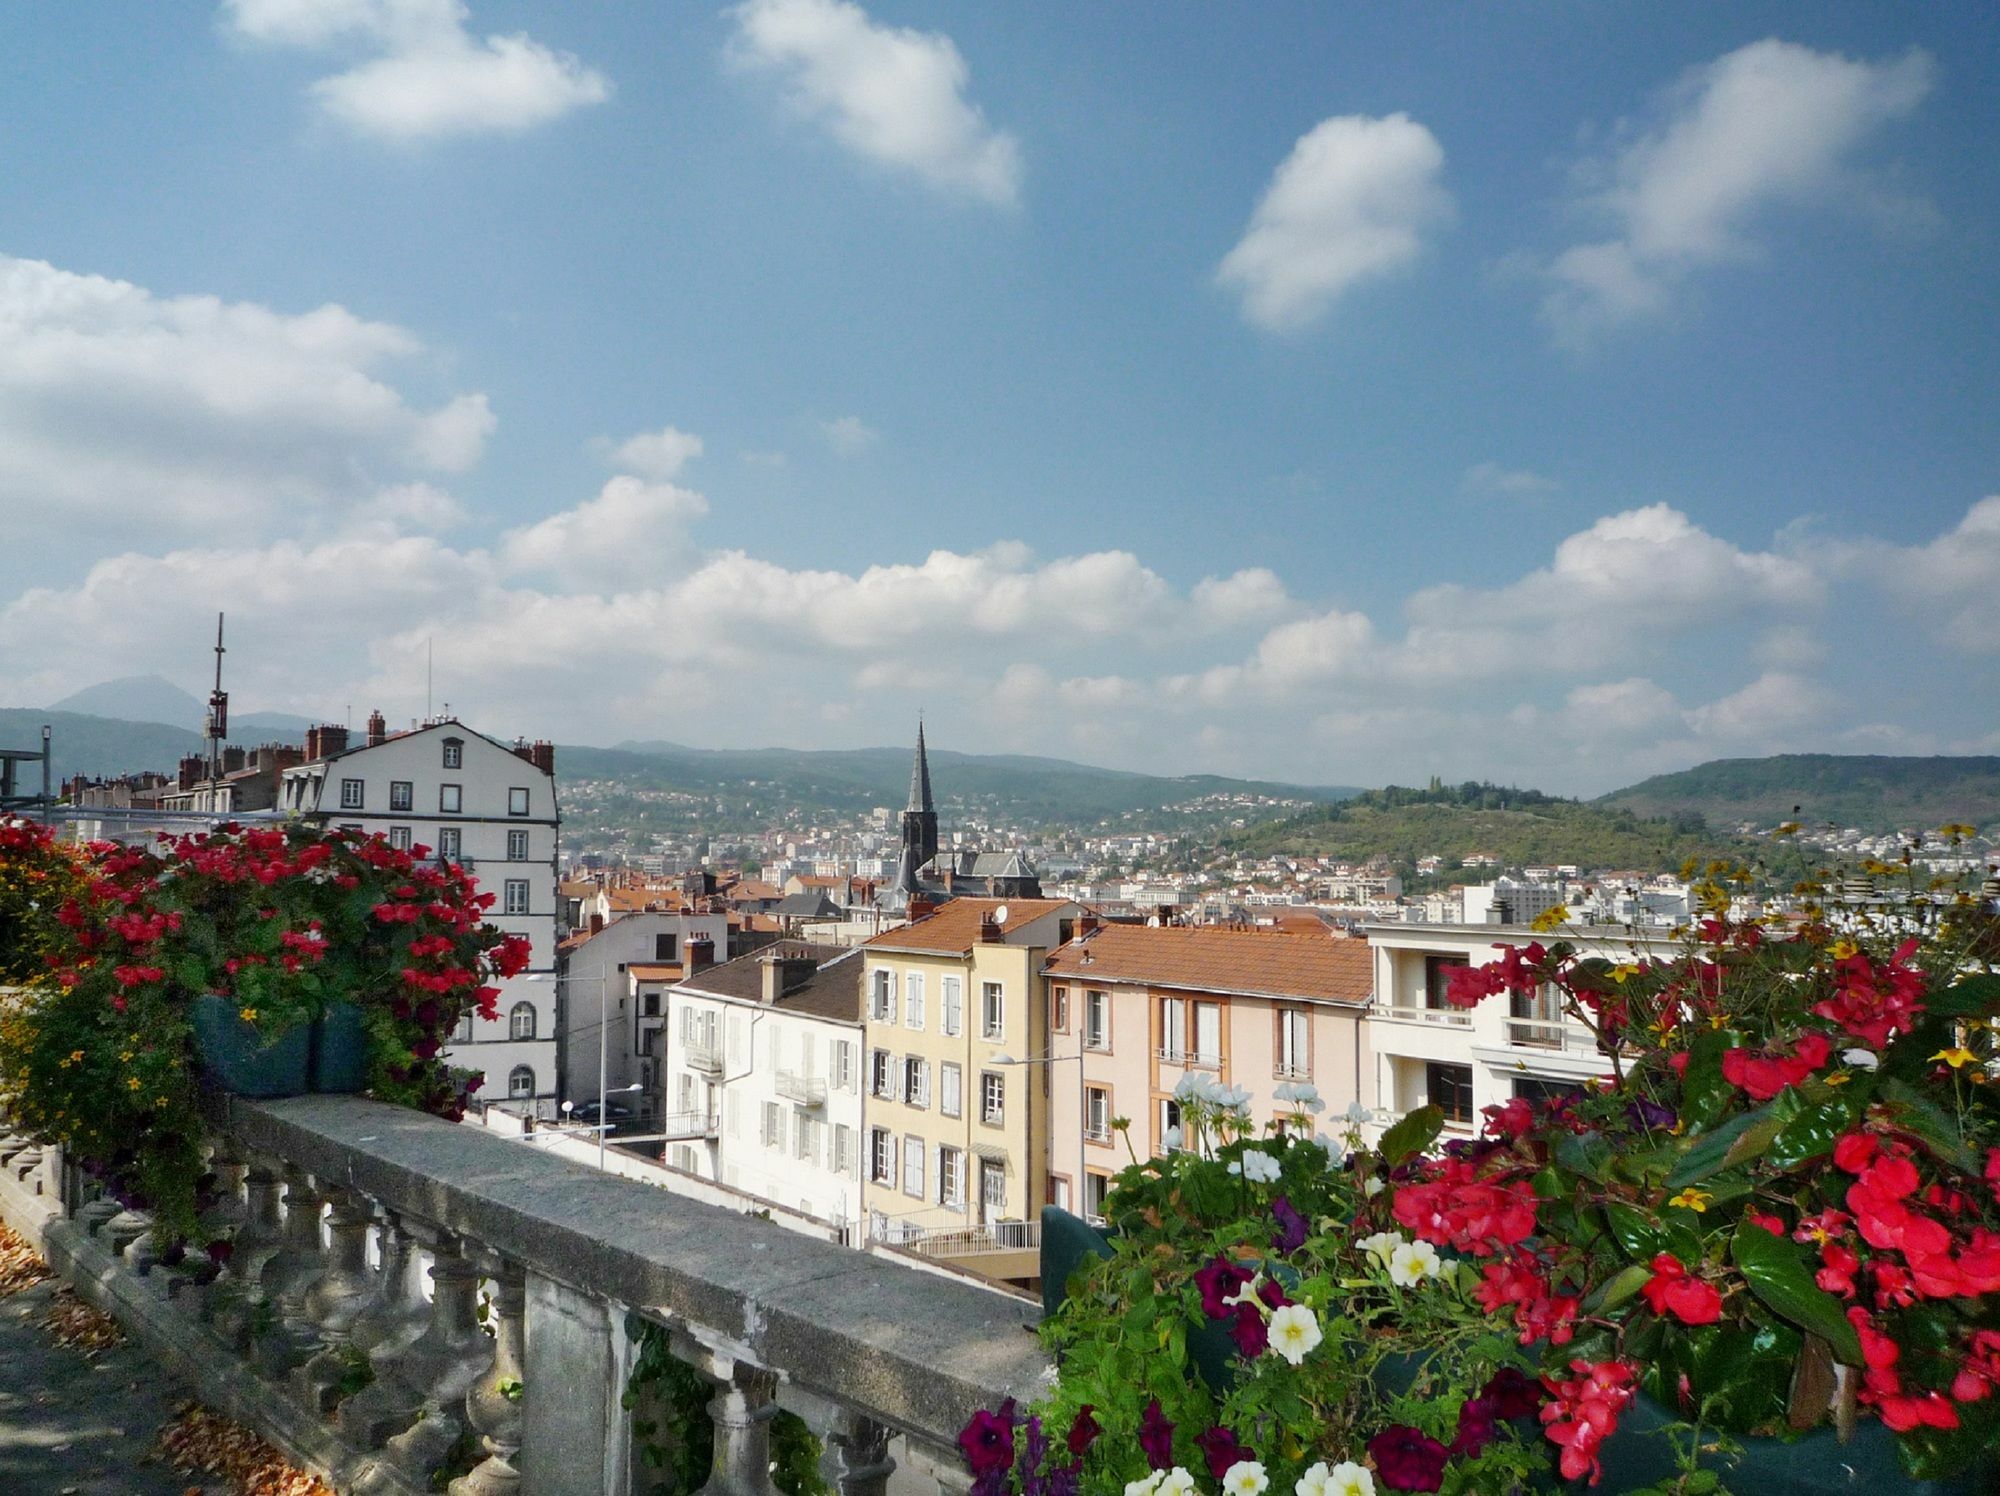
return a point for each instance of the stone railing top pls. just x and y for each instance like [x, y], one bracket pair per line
[916, 1351]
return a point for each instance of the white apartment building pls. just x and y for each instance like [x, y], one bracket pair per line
[763, 1079]
[625, 969]
[492, 810]
[1425, 1051]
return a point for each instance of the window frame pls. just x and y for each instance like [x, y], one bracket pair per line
[454, 753]
[513, 887]
[517, 800]
[1097, 1007]
[992, 1084]
[399, 838]
[451, 799]
[913, 1000]
[1436, 1070]
[1093, 1097]
[992, 1011]
[514, 1022]
[914, 1161]
[515, 1090]
[451, 845]
[882, 1157]
[951, 1002]
[402, 795]
[1059, 1009]
[951, 1177]
[353, 794]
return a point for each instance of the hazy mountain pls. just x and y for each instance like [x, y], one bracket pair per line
[100, 746]
[154, 698]
[1868, 792]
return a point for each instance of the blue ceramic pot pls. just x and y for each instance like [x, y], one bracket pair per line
[242, 1059]
[339, 1049]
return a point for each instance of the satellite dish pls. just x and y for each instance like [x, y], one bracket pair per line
[1000, 915]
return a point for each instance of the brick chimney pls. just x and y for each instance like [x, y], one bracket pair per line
[192, 767]
[1086, 924]
[378, 729]
[989, 929]
[596, 923]
[543, 757]
[332, 739]
[232, 759]
[697, 953]
[920, 906]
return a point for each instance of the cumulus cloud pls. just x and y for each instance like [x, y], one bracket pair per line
[1772, 124]
[1951, 582]
[631, 533]
[1247, 596]
[1491, 480]
[849, 436]
[658, 455]
[186, 411]
[1353, 201]
[894, 95]
[431, 76]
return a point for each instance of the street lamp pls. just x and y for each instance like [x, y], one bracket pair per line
[1003, 1058]
[603, 1024]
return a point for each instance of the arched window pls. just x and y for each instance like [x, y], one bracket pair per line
[521, 1021]
[521, 1083]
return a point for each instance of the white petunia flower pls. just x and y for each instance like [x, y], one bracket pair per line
[1382, 1244]
[1177, 1482]
[1861, 1059]
[1349, 1479]
[1144, 1487]
[1413, 1262]
[1371, 1186]
[1357, 1115]
[1245, 1478]
[1256, 1166]
[1313, 1482]
[1294, 1332]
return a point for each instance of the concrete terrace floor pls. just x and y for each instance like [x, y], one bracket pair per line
[76, 1423]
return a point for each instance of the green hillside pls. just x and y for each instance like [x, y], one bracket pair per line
[102, 746]
[1869, 793]
[1521, 827]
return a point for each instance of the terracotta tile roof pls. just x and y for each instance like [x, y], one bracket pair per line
[954, 928]
[749, 889]
[657, 971]
[1262, 963]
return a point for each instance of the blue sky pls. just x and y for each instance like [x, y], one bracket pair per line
[1340, 393]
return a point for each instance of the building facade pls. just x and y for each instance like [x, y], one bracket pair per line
[614, 983]
[958, 1069]
[491, 809]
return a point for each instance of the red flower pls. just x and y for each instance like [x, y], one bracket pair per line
[1671, 1290]
[1220, 1448]
[1513, 1393]
[988, 1440]
[1584, 1411]
[1083, 1431]
[1839, 1265]
[1763, 1077]
[1408, 1459]
[1218, 1281]
[1468, 986]
[1156, 1437]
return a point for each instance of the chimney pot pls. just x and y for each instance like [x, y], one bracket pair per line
[378, 729]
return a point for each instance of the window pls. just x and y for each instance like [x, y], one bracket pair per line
[843, 1065]
[1173, 1030]
[883, 1006]
[881, 1074]
[1097, 1020]
[842, 1161]
[1170, 1122]
[1097, 1114]
[992, 1011]
[517, 896]
[881, 1156]
[805, 1136]
[951, 1177]
[953, 997]
[463, 1034]
[684, 1093]
[454, 753]
[913, 1000]
[774, 1126]
[448, 844]
[521, 1082]
[401, 795]
[1208, 1035]
[1540, 1091]
[663, 945]
[517, 846]
[517, 801]
[1437, 977]
[1294, 1059]
[916, 1081]
[350, 794]
[521, 1021]
[1059, 1009]
[992, 1188]
[992, 1097]
[451, 798]
[1541, 1012]
[1450, 1087]
[913, 1166]
[951, 1090]
[399, 838]
[1095, 1188]
[650, 1005]
[684, 1157]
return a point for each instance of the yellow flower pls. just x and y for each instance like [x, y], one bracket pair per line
[76, 1057]
[1552, 918]
[1623, 972]
[1838, 1078]
[248, 1015]
[132, 1084]
[1844, 948]
[1957, 1058]
[1692, 1199]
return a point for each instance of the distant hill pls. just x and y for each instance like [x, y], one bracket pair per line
[1520, 827]
[100, 746]
[1867, 792]
[154, 698]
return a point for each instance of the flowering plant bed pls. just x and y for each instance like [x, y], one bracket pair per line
[272, 925]
[1778, 1211]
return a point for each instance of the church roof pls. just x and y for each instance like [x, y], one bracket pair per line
[920, 777]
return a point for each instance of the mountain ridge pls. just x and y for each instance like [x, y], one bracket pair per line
[1873, 793]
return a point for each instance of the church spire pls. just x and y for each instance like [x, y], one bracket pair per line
[920, 778]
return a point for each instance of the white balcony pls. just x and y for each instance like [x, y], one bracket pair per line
[703, 1058]
[683, 1127]
[1439, 1017]
[806, 1090]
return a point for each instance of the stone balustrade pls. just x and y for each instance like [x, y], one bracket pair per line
[405, 1298]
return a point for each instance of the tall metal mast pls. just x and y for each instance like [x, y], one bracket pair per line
[218, 711]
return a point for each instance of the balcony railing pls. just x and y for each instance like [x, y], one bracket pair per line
[973, 1241]
[1282, 1071]
[1556, 1035]
[703, 1057]
[806, 1090]
[1444, 1017]
[339, 1209]
[681, 1127]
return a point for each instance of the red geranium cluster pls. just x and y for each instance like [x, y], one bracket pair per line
[1583, 1411]
[1453, 1206]
[1523, 1282]
[1762, 1075]
[1673, 1290]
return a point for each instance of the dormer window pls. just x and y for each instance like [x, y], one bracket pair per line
[454, 753]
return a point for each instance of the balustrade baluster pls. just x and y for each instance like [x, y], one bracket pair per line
[287, 1337]
[334, 1303]
[859, 1450]
[742, 1410]
[493, 1407]
[232, 1305]
[437, 1368]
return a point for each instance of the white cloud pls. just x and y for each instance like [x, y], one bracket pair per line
[658, 455]
[1952, 582]
[432, 77]
[1243, 597]
[849, 436]
[1354, 200]
[1771, 124]
[1492, 480]
[187, 411]
[894, 95]
[633, 534]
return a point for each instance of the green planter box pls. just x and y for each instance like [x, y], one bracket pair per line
[241, 1059]
[339, 1050]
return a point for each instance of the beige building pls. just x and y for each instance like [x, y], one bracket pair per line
[955, 1123]
[1144, 1007]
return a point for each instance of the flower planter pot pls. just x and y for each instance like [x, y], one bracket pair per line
[339, 1050]
[242, 1059]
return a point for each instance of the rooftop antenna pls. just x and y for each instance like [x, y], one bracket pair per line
[218, 710]
[427, 677]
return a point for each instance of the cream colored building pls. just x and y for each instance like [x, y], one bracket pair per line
[955, 1124]
[1145, 1007]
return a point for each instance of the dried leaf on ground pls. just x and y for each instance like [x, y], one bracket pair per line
[197, 1439]
[72, 1322]
[21, 1266]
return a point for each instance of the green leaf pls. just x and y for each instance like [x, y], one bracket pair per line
[1637, 1234]
[1917, 1113]
[1710, 1152]
[1705, 1095]
[1776, 1271]
[1412, 1135]
[1974, 997]
[1817, 1128]
[1618, 1289]
[1587, 1154]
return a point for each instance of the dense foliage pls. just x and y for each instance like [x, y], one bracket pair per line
[38, 875]
[97, 1053]
[1872, 793]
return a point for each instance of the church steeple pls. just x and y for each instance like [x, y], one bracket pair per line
[920, 778]
[919, 828]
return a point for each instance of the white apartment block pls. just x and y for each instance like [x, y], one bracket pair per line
[627, 968]
[1425, 1051]
[492, 810]
[763, 1079]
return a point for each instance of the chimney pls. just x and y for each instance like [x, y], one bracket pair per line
[332, 739]
[772, 972]
[312, 745]
[543, 756]
[989, 929]
[1086, 924]
[596, 923]
[697, 953]
[378, 729]
[191, 768]
[522, 751]
[920, 906]
[232, 760]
